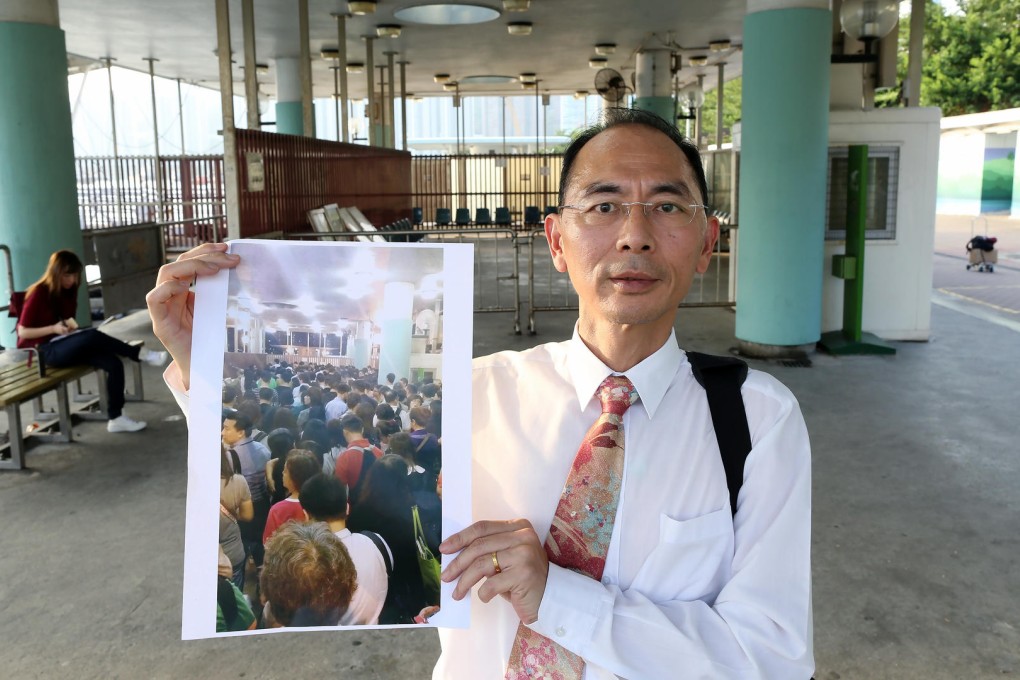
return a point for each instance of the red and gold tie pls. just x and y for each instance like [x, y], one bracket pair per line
[581, 528]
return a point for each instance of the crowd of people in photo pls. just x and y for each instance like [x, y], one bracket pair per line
[330, 497]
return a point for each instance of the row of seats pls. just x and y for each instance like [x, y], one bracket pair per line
[483, 217]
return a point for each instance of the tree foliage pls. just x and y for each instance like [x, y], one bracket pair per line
[971, 59]
[731, 111]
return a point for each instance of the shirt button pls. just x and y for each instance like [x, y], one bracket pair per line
[560, 631]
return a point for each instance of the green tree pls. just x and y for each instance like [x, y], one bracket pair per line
[731, 111]
[971, 59]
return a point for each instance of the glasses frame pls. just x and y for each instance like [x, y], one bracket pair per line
[626, 207]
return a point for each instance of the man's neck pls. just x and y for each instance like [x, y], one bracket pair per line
[622, 347]
[336, 525]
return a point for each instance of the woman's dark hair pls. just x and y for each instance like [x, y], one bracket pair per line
[315, 431]
[386, 489]
[302, 465]
[285, 418]
[435, 424]
[226, 465]
[280, 441]
[401, 445]
[617, 116]
[60, 263]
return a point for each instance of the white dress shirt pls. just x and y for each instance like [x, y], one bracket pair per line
[688, 591]
[369, 596]
[335, 408]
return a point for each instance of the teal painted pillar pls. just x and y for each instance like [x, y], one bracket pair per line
[783, 158]
[395, 320]
[361, 352]
[654, 83]
[289, 115]
[38, 186]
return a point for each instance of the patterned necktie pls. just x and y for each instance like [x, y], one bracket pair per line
[581, 528]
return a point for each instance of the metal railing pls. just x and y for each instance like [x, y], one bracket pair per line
[710, 289]
[181, 235]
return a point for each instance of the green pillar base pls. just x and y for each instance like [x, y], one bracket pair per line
[836, 343]
[289, 120]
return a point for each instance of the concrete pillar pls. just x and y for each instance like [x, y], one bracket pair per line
[307, 104]
[395, 321]
[915, 56]
[362, 350]
[372, 115]
[230, 178]
[784, 152]
[251, 83]
[655, 84]
[289, 117]
[341, 36]
[38, 187]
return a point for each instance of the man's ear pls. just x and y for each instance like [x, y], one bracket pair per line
[708, 244]
[555, 239]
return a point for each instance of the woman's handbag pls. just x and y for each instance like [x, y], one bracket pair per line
[428, 563]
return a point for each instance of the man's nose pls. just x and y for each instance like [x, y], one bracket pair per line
[635, 230]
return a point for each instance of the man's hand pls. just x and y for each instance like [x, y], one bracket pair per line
[524, 565]
[172, 303]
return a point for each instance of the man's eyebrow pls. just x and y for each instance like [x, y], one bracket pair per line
[601, 188]
[678, 188]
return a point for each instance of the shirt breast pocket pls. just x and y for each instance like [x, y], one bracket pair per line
[691, 560]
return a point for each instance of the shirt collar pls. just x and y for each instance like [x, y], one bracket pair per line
[651, 378]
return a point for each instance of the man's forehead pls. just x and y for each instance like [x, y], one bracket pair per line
[611, 155]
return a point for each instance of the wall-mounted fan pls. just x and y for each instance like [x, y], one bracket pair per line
[425, 320]
[611, 85]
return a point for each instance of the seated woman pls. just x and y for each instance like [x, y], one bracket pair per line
[48, 316]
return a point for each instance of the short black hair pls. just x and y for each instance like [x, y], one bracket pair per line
[616, 116]
[324, 498]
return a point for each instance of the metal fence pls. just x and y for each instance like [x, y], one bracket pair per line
[117, 191]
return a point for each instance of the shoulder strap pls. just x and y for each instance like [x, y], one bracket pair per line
[377, 539]
[722, 377]
[424, 441]
[225, 598]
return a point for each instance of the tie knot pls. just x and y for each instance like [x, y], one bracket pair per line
[616, 393]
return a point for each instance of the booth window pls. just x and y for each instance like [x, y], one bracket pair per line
[883, 187]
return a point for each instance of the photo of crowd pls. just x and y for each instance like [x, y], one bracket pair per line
[331, 437]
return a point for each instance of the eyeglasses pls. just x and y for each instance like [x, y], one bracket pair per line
[667, 214]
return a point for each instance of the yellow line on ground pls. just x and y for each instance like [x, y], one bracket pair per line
[983, 287]
[980, 302]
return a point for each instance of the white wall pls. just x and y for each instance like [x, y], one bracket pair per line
[897, 272]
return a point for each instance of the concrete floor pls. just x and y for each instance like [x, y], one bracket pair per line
[915, 523]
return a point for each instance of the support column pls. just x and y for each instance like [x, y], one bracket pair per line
[341, 38]
[914, 56]
[403, 104]
[307, 106]
[654, 84]
[361, 353]
[158, 170]
[391, 101]
[231, 188]
[373, 137]
[289, 118]
[721, 82]
[251, 82]
[782, 207]
[38, 187]
[395, 321]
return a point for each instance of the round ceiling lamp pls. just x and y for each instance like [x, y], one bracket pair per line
[519, 28]
[355, 67]
[528, 77]
[697, 60]
[329, 53]
[529, 86]
[605, 49]
[447, 14]
[598, 62]
[516, 5]
[580, 94]
[487, 80]
[719, 45]
[441, 77]
[361, 7]
[450, 86]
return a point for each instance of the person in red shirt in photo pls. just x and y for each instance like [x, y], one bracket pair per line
[301, 466]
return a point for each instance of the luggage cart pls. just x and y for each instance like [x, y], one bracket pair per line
[981, 254]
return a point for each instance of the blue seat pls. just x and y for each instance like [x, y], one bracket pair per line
[482, 216]
[417, 215]
[531, 215]
[502, 216]
[463, 217]
[443, 216]
[550, 210]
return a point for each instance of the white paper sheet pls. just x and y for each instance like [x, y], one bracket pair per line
[310, 275]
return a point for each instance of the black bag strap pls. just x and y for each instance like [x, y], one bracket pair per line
[381, 545]
[722, 377]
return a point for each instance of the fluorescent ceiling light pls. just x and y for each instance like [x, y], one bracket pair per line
[388, 30]
[519, 28]
[361, 6]
[605, 49]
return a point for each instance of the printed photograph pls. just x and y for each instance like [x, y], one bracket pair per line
[333, 366]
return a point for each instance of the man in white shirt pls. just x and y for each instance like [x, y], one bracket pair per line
[688, 591]
[324, 498]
